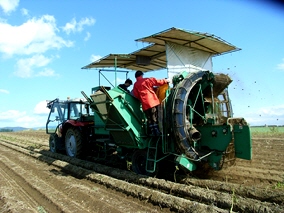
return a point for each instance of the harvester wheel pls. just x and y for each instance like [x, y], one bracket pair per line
[139, 162]
[54, 143]
[139, 158]
[181, 114]
[73, 143]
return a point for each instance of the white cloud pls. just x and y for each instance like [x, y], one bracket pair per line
[14, 118]
[273, 110]
[272, 115]
[74, 26]
[30, 121]
[85, 21]
[95, 58]
[119, 80]
[281, 65]
[24, 67]
[11, 115]
[87, 37]
[37, 35]
[69, 27]
[41, 108]
[47, 73]
[4, 91]
[9, 5]
[24, 12]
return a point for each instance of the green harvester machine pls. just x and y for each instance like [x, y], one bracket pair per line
[195, 118]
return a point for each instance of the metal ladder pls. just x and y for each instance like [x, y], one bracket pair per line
[151, 160]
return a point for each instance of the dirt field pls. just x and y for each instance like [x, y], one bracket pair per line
[32, 179]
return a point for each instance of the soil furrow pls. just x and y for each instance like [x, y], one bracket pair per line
[206, 196]
[247, 186]
[42, 191]
[62, 185]
[10, 188]
[155, 197]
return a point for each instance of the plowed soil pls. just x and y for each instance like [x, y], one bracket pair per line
[32, 179]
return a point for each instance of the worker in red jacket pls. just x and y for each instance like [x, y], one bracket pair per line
[144, 91]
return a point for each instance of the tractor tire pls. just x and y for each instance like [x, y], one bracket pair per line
[73, 143]
[54, 143]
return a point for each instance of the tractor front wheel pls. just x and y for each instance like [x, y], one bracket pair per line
[54, 143]
[73, 143]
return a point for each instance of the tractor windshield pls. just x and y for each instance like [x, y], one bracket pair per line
[58, 114]
[77, 110]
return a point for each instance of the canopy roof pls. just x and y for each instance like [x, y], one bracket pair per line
[153, 57]
[156, 53]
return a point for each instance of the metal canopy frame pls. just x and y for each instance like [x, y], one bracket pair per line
[201, 41]
[156, 51]
[110, 70]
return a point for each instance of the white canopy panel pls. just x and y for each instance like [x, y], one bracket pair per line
[154, 57]
[181, 58]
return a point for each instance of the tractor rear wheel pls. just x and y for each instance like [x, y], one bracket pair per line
[73, 143]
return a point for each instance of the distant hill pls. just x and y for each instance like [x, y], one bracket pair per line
[14, 129]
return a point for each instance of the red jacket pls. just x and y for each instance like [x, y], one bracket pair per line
[143, 90]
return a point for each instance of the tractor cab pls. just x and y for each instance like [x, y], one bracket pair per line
[73, 111]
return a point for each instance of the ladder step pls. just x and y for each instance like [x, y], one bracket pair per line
[152, 155]
[103, 140]
[151, 166]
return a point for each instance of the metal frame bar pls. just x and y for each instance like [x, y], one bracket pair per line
[110, 70]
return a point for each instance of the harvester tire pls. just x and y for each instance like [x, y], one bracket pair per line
[73, 143]
[139, 162]
[182, 134]
[139, 158]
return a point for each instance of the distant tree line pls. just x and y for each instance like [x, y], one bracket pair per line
[6, 130]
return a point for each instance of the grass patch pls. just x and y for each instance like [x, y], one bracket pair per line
[40, 209]
[279, 185]
[267, 131]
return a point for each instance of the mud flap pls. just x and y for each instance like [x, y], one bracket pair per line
[186, 163]
[243, 143]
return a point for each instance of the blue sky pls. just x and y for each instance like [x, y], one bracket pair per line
[43, 46]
